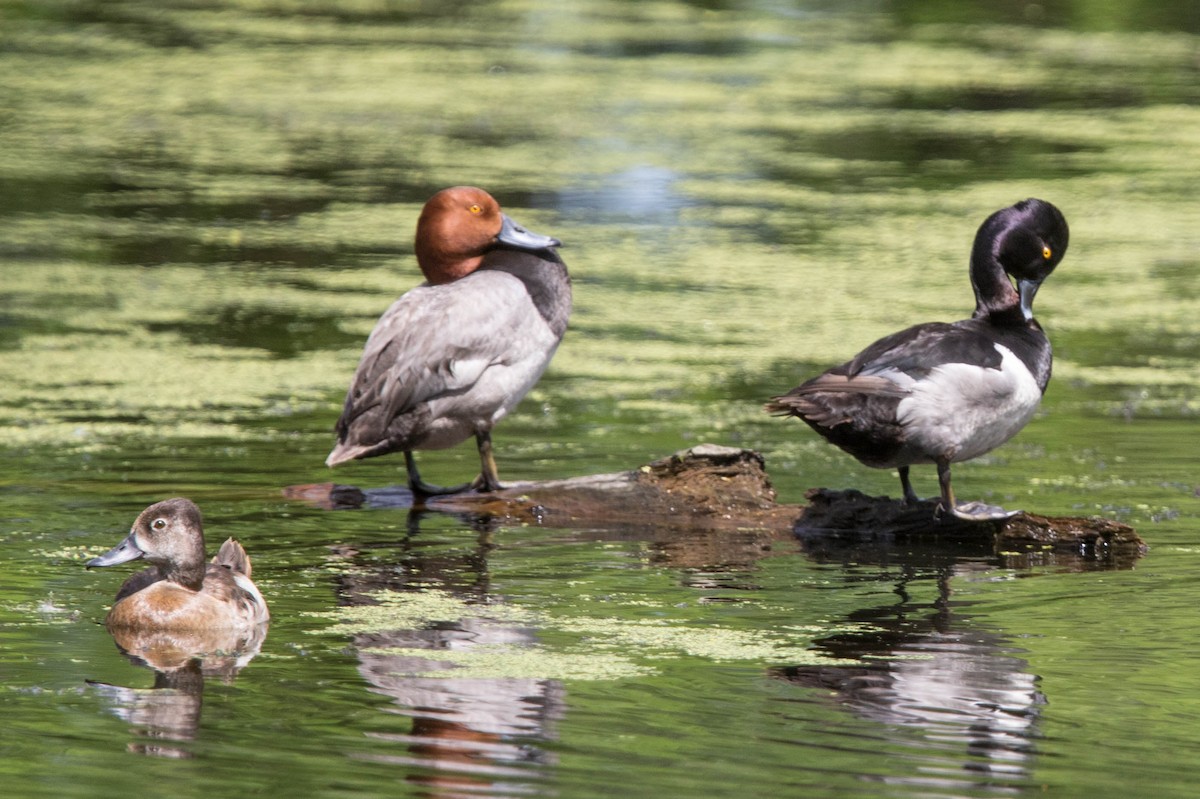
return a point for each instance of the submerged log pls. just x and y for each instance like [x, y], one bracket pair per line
[717, 488]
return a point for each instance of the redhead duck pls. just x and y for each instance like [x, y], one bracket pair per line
[454, 355]
[944, 393]
[180, 591]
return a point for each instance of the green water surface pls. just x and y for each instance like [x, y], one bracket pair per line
[205, 205]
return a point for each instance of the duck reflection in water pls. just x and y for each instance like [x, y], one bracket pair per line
[476, 735]
[956, 693]
[166, 716]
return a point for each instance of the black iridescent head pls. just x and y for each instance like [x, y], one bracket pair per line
[1027, 241]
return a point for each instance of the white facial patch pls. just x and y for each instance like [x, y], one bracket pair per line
[962, 411]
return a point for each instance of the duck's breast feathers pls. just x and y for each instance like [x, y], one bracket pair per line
[225, 600]
[437, 341]
[138, 581]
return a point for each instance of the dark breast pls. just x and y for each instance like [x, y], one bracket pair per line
[137, 581]
[1029, 343]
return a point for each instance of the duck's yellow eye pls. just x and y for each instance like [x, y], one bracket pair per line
[1046, 253]
[476, 209]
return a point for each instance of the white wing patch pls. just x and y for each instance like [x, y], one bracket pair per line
[962, 411]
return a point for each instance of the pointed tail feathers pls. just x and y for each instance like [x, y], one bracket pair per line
[232, 556]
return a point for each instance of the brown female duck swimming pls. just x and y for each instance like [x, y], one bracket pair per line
[180, 590]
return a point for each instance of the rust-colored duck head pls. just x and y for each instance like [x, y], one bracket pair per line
[459, 225]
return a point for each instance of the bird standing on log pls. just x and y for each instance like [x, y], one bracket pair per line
[455, 354]
[944, 393]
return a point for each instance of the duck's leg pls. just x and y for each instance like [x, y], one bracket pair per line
[488, 479]
[420, 488]
[947, 504]
[910, 496]
[968, 511]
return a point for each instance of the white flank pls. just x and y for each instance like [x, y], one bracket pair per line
[963, 411]
[261, 614]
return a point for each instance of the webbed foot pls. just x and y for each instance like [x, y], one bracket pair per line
[484, 485]
[982, 512]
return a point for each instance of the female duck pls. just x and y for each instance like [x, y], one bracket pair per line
[180, 591]
[454, 355]
[944, 393]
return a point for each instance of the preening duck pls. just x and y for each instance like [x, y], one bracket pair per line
[455, 354]
[945, 393]
[180, 591]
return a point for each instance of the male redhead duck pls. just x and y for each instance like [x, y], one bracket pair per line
[454, 355]
[180, 591]
[945, 393]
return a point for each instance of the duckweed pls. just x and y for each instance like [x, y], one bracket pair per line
[586, 648]
[264, 174]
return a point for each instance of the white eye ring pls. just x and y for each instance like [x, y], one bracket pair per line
[159, 524]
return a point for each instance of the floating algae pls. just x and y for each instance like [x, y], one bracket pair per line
[569, 647]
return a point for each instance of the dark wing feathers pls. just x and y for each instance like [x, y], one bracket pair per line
[832, 398]
[920, 348]
[854, 405]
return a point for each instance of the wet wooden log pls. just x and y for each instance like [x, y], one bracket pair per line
[705, 486]
[846, 519]
[717, 488]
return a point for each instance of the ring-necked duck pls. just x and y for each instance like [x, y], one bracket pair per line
[454, 355]
[180, 591]
[944, 393]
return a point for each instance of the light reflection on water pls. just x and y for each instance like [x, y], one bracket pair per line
[641, 195]
[468, 735]
[951, 703]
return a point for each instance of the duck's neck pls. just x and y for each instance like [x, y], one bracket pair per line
[995, 296]
[189, 574]
[440, 268]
